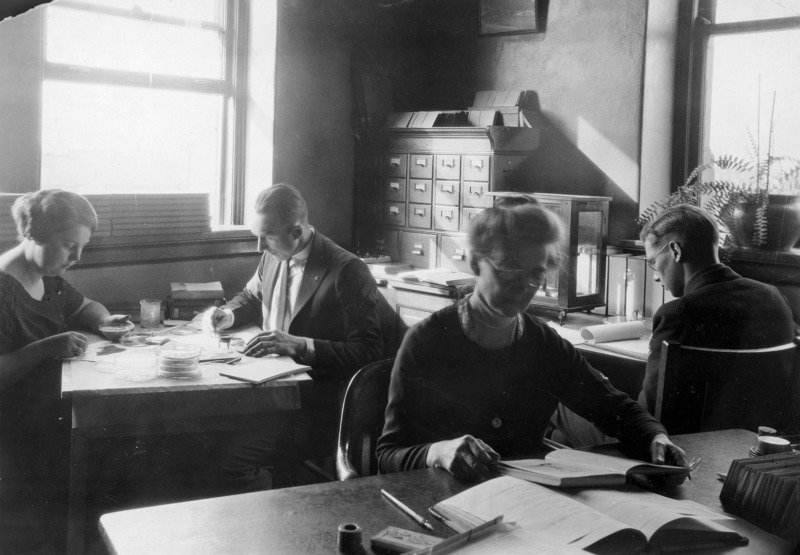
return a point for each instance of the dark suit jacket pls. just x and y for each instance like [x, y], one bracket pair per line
[336, 307]
[719, 309]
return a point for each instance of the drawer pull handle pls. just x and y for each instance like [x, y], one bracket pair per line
[476, 164]
[394, 185]
[394, 210]
[449, 162]
[447, 214]
[472, 215]
[459, 256]
[418, 246]
[448, 188]
[419, 187]
[477, 191]
[421, 162]
[418, 252]
[419, 212]
[394, 161]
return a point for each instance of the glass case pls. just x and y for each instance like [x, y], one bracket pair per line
[579, 282]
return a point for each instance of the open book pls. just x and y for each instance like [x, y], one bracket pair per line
[573, 468]
[264, 369]
[625, 520]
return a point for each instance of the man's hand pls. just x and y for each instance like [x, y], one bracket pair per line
[274, 342]
[216, 319]
[465, 457]
[663, 451]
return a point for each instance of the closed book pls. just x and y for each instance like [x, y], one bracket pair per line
[573, 468]
[184, 290]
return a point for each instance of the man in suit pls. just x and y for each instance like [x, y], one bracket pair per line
[715, 307]
[316, 303]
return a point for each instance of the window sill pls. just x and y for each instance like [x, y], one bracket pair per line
[219, 243]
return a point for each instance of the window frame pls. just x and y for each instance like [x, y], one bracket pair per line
[695, 28]
[232, 87]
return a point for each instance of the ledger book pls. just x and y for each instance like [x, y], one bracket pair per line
[572, 468]
[618, 520]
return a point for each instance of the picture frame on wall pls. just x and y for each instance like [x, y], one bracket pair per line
[507, 17]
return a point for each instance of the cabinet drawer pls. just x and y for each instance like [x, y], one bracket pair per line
[476, 168]
[445, 218]
[419, 190]
[386, 242]
[394, 165]
[394, 213]
[421, 166]
[448, 166]
[394, 189]
[419, 215]
[467, 215]
[418, 249]
[454, 255]
[446, 192]
[474, 194]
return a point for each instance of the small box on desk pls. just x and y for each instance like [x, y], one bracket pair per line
[186, 300]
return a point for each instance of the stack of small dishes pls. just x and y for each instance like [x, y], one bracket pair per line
[179, 360]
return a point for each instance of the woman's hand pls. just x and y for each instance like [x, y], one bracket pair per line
[274, 342]
[66, 345]
[663, 451]
[465, 457]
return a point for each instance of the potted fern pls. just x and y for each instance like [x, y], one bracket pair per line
[756, 203]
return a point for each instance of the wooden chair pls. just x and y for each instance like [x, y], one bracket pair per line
[702, 389]
[361, 423]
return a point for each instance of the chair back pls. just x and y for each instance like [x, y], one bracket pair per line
[702, 389]
[362, 418]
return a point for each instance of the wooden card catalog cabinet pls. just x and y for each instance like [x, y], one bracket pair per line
[427, 184]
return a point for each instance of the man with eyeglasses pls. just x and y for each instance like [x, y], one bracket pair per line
[717, 307]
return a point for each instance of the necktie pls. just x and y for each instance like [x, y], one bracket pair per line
[280, 312]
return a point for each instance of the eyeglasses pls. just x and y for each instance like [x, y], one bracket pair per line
[534, 278]
[652, 261]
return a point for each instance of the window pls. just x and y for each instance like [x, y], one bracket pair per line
[145, 96]
[742, 72]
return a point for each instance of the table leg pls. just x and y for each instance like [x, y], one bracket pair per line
[76, 520]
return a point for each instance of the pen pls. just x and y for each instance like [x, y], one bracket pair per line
[400, 505]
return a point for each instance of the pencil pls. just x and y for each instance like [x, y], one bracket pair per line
[400, 505]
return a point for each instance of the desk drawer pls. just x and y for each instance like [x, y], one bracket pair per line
[467, 215]
[394, 165]
[448, 166]
[446, 192]
[418, 249]
[454, 255]
[419, 216]
[474, 194]
[394, 189]
[394, 213]
[419, 190]
[445, 218]
[421, 166]
[476, 168]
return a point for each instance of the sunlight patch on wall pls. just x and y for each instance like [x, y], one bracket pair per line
[617, 165]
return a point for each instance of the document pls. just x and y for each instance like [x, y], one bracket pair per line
[261, 370]
[627, 338]
[625, 520]
[573, 468]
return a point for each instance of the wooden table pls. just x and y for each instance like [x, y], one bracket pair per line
[105, 406]
[305, 519]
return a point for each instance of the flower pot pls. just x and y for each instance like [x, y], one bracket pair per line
[783, 222]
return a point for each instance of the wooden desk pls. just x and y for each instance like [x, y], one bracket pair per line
[305, 519]
[104, 406]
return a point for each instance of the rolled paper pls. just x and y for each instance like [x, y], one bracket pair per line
[614, 332]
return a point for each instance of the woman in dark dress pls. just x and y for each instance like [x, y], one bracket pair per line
[40, 315]
[480, 379]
